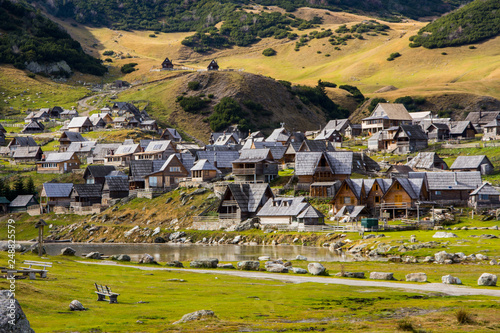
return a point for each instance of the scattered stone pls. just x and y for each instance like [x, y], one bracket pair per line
[438, 227]
[443, 234]
[369, 236]
[480, 256]
[249, 265]
[204, 263]
[131, 231]
[147, 259]
[315, 268]
[488, 236]
[176, 235]
[448, 262]
[298, 270]
[299, 257]
[197, 315]
[487, 279]
[236, 239]
[93, 255]
[174, 263]
[264, 258]
[413, 239]
[225, 266]
[76, 306]
[382, 276]
[354, 275]
[156, 231]
[448, 279]
[493, 262]
[176, 280]
[67, 251]
[276, 268]
[416, 277]
[122, 257]
[440, 257]
[21, 324]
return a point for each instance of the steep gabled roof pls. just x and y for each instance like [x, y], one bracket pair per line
[87, 190]
[310, 212]
[58, 157]
[356, 186]
[424, 160]
[141, 168]
[159, 146]
[98, 171]
[23, 141]
[81, 147]
[306, 163]
[173, 132]
[57, 190]
[116, 184]
[22, 200]
[482, 117]
[279, 134]
[341, 162]
[249, 196]
[316, 145]
[72, 136]
[103, 149]
[77, 122]
[485, 188]
[325, 134]
[26, 152]
[493, 123]
[204, 165]
[414, 132]
[336, 124]
[126, 149]
[225, 159]
[33, 126]
[254, 155]
[458, 127]
[394, 111]
[449, 180]
[469, 162]
[283, 207]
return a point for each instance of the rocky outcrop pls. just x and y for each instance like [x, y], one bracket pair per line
[249, 265]
[12, 317]
[197, 315]
[147, 259]
[54, 68]
[298, 270]
[204, 263]
[382, 276]
[93, 255]
[174, 263]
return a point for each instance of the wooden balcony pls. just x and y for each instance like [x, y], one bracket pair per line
[228, 216]
[245, 171]
[227, 203]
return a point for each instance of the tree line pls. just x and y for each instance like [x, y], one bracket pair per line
[19, 186]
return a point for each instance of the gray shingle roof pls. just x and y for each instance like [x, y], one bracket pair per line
[225, 159]
[493, 123]
[325, 134]
[316, 145]
[22, 200]
[88, 190]
[306, 163]
[283, 207]
[414, 132]
[81, 147]
[336, 124]
[59, 157]
[186, 159]
[173, 132]
[98, 171]
[141, 168]
[424, 160]
[279, 134]
[450, 180]
[116, 184]
[482, 117]
[354, 211]
[469, 162]
[391, 111]
[485, 188]
[26, 152]
[458, 127]
[103, 149]
[73, 136]
[310, 212]
[254, 155]
[80, 122]
[159, 145]
[203, 165]
[249, 196]
[341, 162]
[127, 149]
[57, 190]
[34, 126]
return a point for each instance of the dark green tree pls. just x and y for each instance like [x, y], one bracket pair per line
[19, 186]
[30, 186]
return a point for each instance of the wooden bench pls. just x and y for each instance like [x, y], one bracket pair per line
[103, 291]
[32, 271]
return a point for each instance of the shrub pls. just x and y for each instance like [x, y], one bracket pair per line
[405, 324]
[31, 75]
[227, 112]
[326, 84]
[108, 53]
[128, 68]
[472, 47]
[393, 56]
[193, 85]
[444, 53]
[192, 104]
[152, 35]
[210, 96]
[108, 60]
[358, 96]
[464, 317]
[269, 52]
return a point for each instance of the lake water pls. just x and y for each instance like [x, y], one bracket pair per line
[168, 252]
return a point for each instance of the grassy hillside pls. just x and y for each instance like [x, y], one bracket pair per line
[472, 23]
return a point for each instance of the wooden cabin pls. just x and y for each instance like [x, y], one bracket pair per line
[204, 171]
[96, 174]
[479, 163]
[485, 196]
[114, 187]
[167, 64]
[242, 201]
[213, 66]
[402, 196]
[68, 138]
[33, 127]
[84, 195]
[255, 165]
[169, 175]
[289, 212]
[58, 163]
[21, 203]
[351, 193]
[55, 195]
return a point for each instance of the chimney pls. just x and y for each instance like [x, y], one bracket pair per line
[215, 159]
[480, 114]
[455, 176]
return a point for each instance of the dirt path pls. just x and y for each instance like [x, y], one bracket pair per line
[452, 290]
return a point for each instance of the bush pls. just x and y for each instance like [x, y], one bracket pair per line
[210, 96]
[31, 75]
[472, 47]
[108, 60]
[152, 35]
[326, 84]
[128, 68]
[192, 104]
[464, 317]
[358, 96]
[193, 85]
[227, 112]
[405, 324]
[393, 56]
[269, 52]
[108, 53]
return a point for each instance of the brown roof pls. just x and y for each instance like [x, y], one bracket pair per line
[393, 111]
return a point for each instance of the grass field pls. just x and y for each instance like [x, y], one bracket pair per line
[151, 301]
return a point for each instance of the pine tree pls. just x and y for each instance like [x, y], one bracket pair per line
[19, 187]
[30, 186]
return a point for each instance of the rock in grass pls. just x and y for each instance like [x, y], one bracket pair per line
[276, 268]
[93, 255]
[487, 279]
[21, 324]
[298, 270]
[416, 277]
[299, 257]
[225, 266]
[67, 251]
[76, 306]
[264, 258]
[316, 268]
[355, 275]
[123, 257]
[174, 263]
[147, 259]
[249, 265]
[448, 279]
[204, 263]
[197, 315]
[382, 276]
[443, 234]
[480, 256]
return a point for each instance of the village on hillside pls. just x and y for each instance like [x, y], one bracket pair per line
[246, 170]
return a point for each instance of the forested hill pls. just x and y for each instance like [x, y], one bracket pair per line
[175, 15]
[472, 23]
[26, 36]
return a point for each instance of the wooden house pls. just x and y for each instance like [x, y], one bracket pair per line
[279, 135]
[133, 123]
[41, 115]
[21, 203]
[84, 150]
[449, 188]
[157, 150]
[69, 114]
[491, 130]
[375, 189]
[98, 122]
[316, 146]
[351, 193]
[27, 154]
[33, 127]
[485, 196]
[222, 160]
[473, 163]
[167, 64]
[408, 138]
[437, 131]
[55, 195]
[171, 134]
[289, 212]
[149, 125]
[84, 195]
[226, 139]
[204, 171]
[255, 165]
[398, 170]
[122, 156]
[120, 122]
[290, 152]
[114, 187]
[242, 201]
[403, 195]
[482, 118]
[213, 66]
[138, 170]
[353, 130]
[331, 135]
[427, 161]
[58, 163]
[96, 174]
[169, 175]
[67, 138]
[55, 112]
[80, 124]
[2, 141]
[4, 205]
[384, 116]
[462, 130]
[339, 125]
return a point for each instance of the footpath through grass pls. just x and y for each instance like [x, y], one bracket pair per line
[150, 302]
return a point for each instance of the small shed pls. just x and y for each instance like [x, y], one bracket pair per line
[33, 127]
[80, 124]
[22, 202]
[473, 163]
[311, 216]
[4, 205]
[86, 195]
[204, 171]
[484, 196]
[213, 66]
[167, 64]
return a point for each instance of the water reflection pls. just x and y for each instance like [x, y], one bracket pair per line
[168, 252]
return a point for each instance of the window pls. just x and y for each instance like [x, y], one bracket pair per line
[153, 181]
[347, 200]
[90, 181]
[484, 197]
[376, 187]
[398, 186]
[175, 169]
[377, 199]
[157, 147]
[437, 192]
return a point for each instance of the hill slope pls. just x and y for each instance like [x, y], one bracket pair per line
[472, 23]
